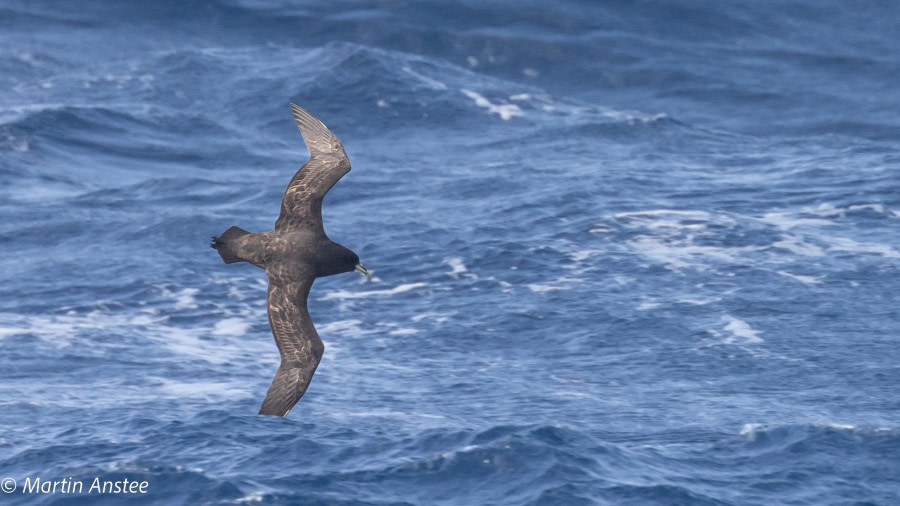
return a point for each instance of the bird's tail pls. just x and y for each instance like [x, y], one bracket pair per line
[224, 244]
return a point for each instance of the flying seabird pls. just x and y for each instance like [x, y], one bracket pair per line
[293, 255]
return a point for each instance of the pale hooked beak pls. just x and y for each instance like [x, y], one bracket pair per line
[360, 268]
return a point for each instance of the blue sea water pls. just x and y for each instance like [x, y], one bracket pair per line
[625, 253]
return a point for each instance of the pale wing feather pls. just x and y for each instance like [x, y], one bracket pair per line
[301, 206]
[297, 340]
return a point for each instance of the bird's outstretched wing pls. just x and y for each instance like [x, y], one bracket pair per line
[301, 206]
[297, 340]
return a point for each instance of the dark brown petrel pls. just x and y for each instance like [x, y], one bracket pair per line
[294, 254]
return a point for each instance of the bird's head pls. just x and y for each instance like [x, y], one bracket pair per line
[356, 266]
[342, 260]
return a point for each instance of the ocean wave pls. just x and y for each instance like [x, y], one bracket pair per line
[604, 242]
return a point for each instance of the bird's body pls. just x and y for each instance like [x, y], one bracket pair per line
[293, 254]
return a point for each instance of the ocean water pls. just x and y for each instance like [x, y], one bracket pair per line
[625, 253]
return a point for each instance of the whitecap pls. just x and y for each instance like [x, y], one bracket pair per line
[647, 305]
[786, 221]
[878, 208]
[348, 328]
[852, 246]
[653, 214]
[252, 497]
[836, 426]
[457, 268]
[798, 246]
[403, 332]
[828, 209]
[346, 294]
[600, 229]
[697, 302]
[505, 111]
[231, 327]
[740, 329]
[749, 429]
[436, 317]
[210, 390]
[434, 84]
[581, 255]
[562, 283]
[184, 298]
[809, 280]
[677, 254]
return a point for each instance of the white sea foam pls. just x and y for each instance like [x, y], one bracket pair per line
[428, 81]
[682, 239]
[647, 305]
[436, 317]
[878, 208]
[252, 497]
[852, 246]
[62, 330]
[740, 331]
[196, 344]
[184, 298]
[816, 217]
[654, 214]
[789, 220]
[563, 283]
[505, 111]
[671, 237]
[403, 416]
[798, 246]
[346, 294]
[403, 332]
[680, 253]
[809, 280]
[458, 268]
[11, 331]
[581, 255]
[210, 390]
[231, 327]
[186, 343]
[750, 430]
[600, 229]
[632, 117]
[347, 328]
[828, 209]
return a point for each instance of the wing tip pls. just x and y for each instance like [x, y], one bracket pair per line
[302, 114]
[274, 411]
[312, 129]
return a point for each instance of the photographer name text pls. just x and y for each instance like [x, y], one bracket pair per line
[39, 485]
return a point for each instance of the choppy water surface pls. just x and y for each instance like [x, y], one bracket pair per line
[624, 254]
